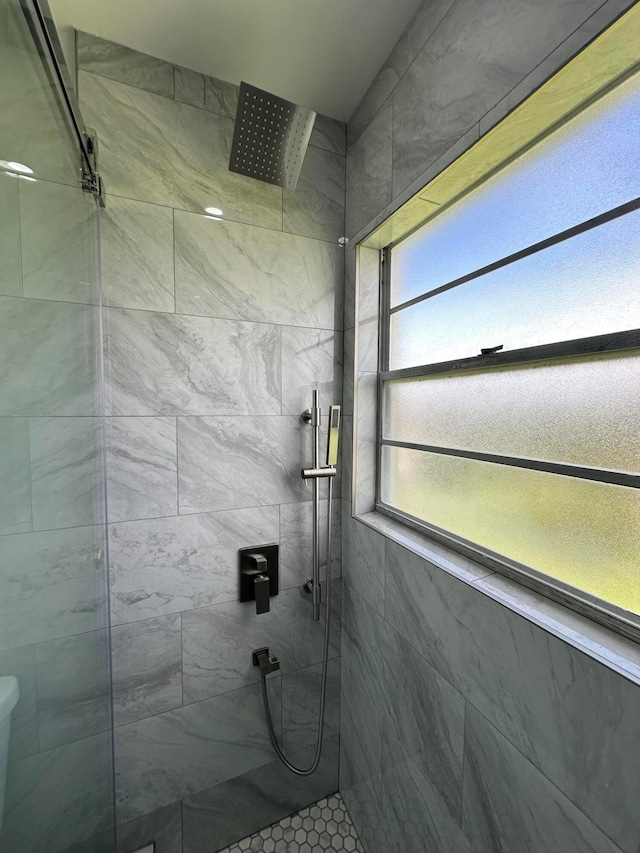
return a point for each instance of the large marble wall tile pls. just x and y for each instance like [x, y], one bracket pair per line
[301, 693]
[157, 150]
[205, 92]
[296, 537]
[51, 585]
[137, 255]
[227, 463]
[163, 827]
[59, 237]
[48, 358]
[316, 207]
[217, 642]
[369, 171]
[473, 59]
[142, 468]
[425, 715]
[67, 481]
[10, 268]
[556, 705]
[163, 364]
[15, 496]
[350, 254]
[73, 688]
[329, 134]
[360, 782]
[147, 668]
[234, 809]
[415, 816]
[420, 28]
[362, 703]
[509, 804]
[311, 358]
[21, 663]
[164, 758]
[121, 63]
[168, 565]
[363, 568]
[225, 269]
[59, 797]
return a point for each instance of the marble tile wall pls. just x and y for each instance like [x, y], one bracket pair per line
[464, 726]
[217, 329]
[457, 62]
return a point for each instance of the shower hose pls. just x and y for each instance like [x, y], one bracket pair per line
[300, 771]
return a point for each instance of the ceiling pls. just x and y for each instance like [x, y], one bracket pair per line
[322, 54]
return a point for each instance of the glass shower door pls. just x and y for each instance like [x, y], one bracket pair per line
[56, 768]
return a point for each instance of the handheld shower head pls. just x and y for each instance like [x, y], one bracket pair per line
[334, 436]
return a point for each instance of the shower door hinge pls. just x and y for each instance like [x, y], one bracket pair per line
[91, 180]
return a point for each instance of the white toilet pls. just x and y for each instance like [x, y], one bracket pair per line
[9, 695]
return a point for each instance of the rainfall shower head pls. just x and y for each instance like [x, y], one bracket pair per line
[270, 137]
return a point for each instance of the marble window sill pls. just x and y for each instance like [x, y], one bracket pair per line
[610, 649]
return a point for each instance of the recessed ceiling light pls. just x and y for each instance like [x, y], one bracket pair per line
[27, 178]
[16, 167]
[214, 211]
[215, 218]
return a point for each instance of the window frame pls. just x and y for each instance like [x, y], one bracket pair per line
[612, 616]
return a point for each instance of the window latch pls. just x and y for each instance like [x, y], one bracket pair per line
[491, 350]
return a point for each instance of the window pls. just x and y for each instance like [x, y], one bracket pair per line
[510, 355]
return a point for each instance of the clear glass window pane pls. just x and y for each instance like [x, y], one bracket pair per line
[577, 411]
[585, 168]
[577, 531]
[580, 287]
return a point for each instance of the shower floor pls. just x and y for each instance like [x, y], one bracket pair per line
[322, 828]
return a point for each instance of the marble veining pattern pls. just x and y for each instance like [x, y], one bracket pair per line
[47, 358]
[142, 471]
[169, 565]
[498, 781]
[109, 59]
[226, 463]
[73, 688]
[66, 477]
[330, 134]
[162, 151]
[218, 641]
[147, 668]
[50, 585]
[137, 255]
[316, 207]
[247, 803]
[225, 269]
[369, 171]
[164, 758]
[296, 536]
[164, 364]
[300, 697]
[15, 497]
[208, 93]
[310, 359]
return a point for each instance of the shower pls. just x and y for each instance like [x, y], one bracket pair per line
[261, 658]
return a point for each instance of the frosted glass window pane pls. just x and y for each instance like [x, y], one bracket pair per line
[582, 532]
[580, 287]
[581, 412]
[587, 167]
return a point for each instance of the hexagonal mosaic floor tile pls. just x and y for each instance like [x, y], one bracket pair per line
[322, 828]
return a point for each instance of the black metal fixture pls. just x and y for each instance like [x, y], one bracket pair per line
[259, 575]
